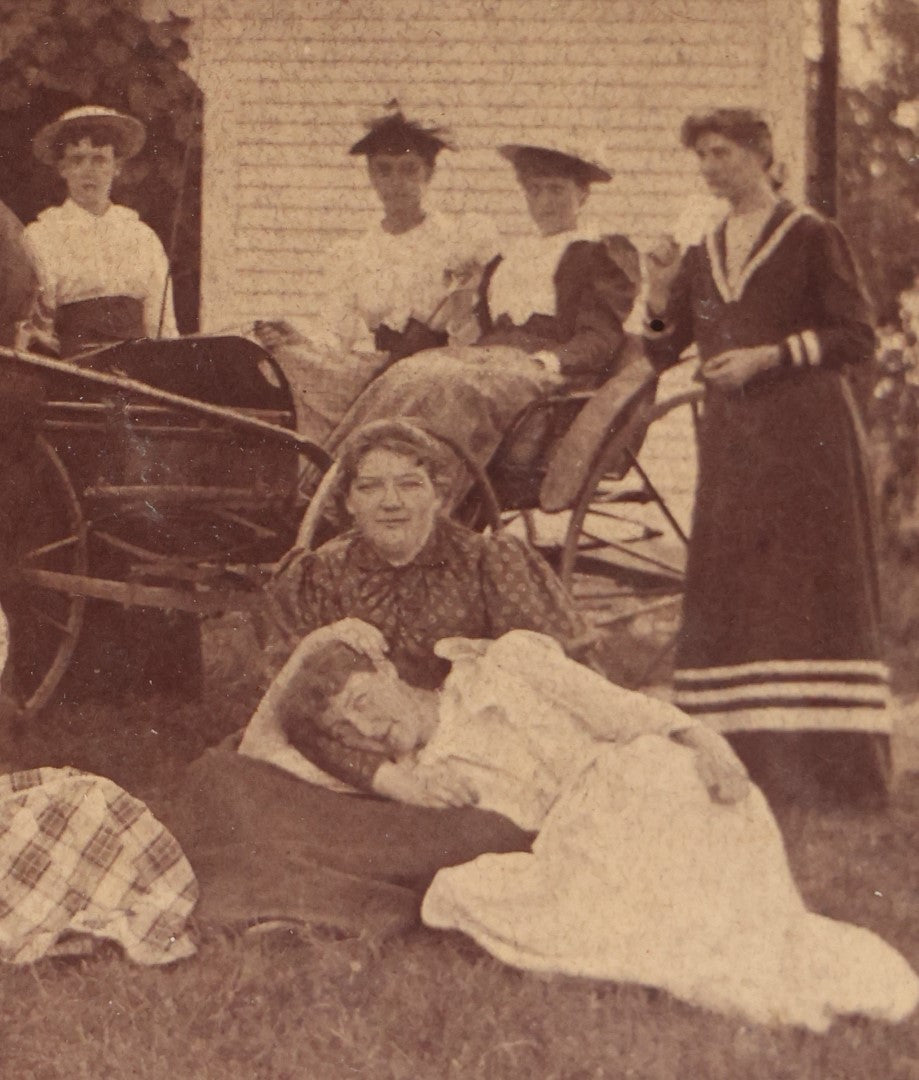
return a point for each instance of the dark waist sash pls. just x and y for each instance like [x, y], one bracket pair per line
[414, 338]
[99, 321]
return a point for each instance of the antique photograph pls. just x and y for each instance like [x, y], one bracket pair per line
[459, 539]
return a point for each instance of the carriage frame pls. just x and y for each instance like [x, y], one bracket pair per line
[141, 527]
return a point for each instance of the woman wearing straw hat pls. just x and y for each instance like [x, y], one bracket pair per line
[556, 293]
[104, 274]
[104, 278]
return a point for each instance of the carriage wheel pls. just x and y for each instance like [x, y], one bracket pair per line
[44, 622]
[624, 552]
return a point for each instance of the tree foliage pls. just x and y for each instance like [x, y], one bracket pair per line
[879, 158]
[58, 54]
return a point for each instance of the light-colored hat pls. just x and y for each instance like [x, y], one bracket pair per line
[130, 132]
[568, 157]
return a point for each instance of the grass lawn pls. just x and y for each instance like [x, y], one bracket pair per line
[434, 1006]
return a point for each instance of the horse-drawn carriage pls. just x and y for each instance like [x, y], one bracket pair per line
[169, 474]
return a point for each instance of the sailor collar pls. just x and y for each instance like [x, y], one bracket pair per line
[780, 222]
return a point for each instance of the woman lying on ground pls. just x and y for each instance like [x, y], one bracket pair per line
[405, 576]
[656, 860]
[550, 316]
[384, 294]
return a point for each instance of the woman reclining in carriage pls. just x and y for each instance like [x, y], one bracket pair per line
[550, 315]
[389, 292]
[545, 314]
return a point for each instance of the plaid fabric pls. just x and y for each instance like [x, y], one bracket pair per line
[80, 856]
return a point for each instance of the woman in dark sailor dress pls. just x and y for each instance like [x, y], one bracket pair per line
[780, 644]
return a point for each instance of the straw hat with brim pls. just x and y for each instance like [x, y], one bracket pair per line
[129, 133]
[559, 160]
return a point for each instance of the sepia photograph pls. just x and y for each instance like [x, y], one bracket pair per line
[459, 539]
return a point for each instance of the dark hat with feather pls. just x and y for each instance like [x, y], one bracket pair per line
[393, 133]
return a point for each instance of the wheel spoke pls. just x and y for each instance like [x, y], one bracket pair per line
[628, 616]
[621, 594]
[596, 539]
[674, 571]
[609, 515]
[44, 617]
[48, 549]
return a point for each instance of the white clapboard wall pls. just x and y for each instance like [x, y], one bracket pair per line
[288, 83]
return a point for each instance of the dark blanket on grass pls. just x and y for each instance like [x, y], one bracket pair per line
[266, 845]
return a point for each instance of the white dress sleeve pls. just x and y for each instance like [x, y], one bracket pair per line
[608, 712]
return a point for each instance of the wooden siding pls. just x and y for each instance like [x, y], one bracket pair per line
[289, 82]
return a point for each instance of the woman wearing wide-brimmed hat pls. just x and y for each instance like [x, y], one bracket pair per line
[104, 274]
[557, 293]
[104, 278]
[384, 293]
[780, 646]
[550, 311]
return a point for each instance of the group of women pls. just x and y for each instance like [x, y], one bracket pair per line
[434, 319]
[780, 645]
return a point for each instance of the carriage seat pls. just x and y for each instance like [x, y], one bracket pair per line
[544, 460]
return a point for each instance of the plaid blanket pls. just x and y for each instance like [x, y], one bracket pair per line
[78, 855]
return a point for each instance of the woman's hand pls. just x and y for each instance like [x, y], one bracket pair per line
[734, 368]
[662, 262]
[421, 785]
[549, 363]
[719, 768]
[276, 333]
[360, 636]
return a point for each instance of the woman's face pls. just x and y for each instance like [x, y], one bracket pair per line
[400, 181]
[89, 172]
[394, 504]
[553, 202]
[382, 709]
[730, 170]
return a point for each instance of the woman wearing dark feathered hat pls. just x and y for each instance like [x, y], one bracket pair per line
[551, 313]
[383, 292]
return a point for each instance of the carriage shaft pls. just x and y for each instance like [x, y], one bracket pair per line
[130, 594]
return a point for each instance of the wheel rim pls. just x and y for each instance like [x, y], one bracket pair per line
[625, 567]
[44, 623]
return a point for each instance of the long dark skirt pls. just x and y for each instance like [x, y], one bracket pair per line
[781, 629]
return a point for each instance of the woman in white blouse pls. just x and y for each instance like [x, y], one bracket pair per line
[551, 311]
[386, 293]
[103, 273]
